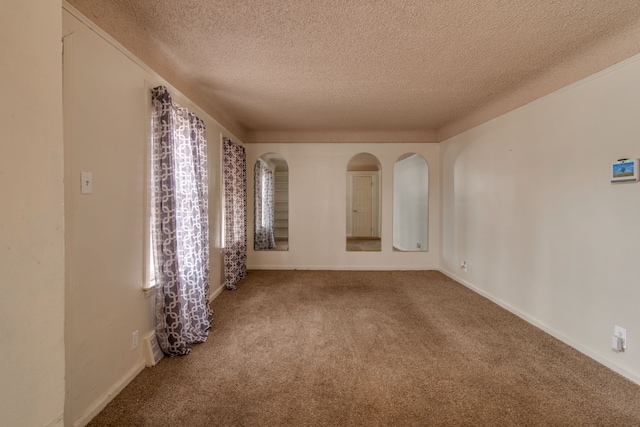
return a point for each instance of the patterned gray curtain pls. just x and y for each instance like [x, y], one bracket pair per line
[180, 225]
[235, 215]
[263, 237]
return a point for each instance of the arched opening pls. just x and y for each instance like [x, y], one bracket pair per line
[363, 203]
[411, 203]
[271, 203]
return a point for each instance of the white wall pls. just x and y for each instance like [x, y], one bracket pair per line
[31, 215]
[107, 119]
[317, 206]
[528, 204]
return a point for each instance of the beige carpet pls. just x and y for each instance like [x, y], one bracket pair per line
[327, 348]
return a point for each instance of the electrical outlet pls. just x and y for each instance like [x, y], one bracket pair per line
[620, 338]
[463, 266]
[134, 340]
[87, 183]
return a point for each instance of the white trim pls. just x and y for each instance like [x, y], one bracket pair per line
[217, 291]
[545, 328]
[148, 275]
[334, 267]
[102, 401]
[56, 422]
[149, 290]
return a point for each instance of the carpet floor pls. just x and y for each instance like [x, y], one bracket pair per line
[367, 348]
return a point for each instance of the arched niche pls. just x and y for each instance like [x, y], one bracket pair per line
[363, 203]
[271, 203]
[411, 203]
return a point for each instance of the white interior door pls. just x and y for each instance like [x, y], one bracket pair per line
[362, 211]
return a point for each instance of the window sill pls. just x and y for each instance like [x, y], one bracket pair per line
[149, 290]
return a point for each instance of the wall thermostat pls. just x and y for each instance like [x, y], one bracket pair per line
[624, 170]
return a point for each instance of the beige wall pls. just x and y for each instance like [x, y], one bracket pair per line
[527, 202]
[31, 215]
[317, 206]
[107, 119]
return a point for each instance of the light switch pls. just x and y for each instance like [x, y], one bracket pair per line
[87, 182]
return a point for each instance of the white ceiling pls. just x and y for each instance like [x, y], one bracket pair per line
[411, 70]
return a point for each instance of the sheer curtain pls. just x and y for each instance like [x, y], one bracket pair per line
[263, 237]
[180, 227]
[235, 215]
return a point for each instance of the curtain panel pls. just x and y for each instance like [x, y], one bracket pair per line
[180, 225]
[235, 218]
[264, 237]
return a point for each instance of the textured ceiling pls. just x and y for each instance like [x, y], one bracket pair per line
[273, 70]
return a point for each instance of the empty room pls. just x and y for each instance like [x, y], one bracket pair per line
[320, 212]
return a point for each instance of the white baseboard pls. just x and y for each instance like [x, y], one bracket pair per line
[342, 267]
[213, 294]
[56, 422]
[108, 396]
[553, 332]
